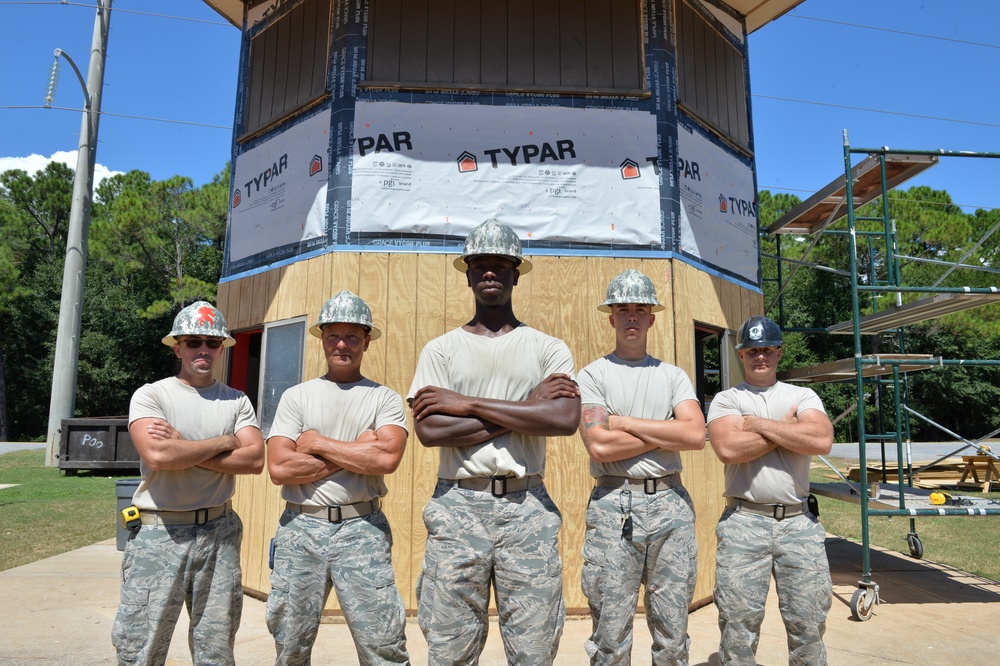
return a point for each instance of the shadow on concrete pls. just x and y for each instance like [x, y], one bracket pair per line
[904, 580]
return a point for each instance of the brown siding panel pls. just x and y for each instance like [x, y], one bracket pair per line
[711, 76]
[468, 18]
[600, 73]
[572, 53]
[290, 90]
[545, 31]
[441, 48]
[316, 53]
[288, 64]
[384, 43]
[493, 50]
[558, 45]
[413, 41]
[627, 50]
[520, 42]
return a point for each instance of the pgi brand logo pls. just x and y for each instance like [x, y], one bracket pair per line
[737, 206]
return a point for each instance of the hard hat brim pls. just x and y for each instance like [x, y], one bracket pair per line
[522, 265]
[653, 307]
[316, 330]
[171, 340]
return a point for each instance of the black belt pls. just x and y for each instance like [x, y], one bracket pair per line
[497, 485]
[649, 486]
[336, 514]
[195, 517]
[776, 511]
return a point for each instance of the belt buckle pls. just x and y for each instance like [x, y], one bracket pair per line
[649, 485]
[330, 514]
[779, 512]
[498, 486]
[198, 516]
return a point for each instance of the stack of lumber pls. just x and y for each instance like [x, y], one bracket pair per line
[945, 474]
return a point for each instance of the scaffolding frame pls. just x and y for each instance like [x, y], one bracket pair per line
[880, 171]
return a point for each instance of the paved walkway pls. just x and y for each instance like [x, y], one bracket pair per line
[60, 611]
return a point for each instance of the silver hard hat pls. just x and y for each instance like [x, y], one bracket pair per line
[631, 286]
[345, 308]
[493, 237]
[199, 318]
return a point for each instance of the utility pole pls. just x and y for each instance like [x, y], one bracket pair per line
[64, 373]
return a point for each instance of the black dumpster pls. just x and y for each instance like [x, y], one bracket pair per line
[97, 443]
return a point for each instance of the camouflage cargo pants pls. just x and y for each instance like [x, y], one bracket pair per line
[751, 548]
[313, 556]
[656, 547]
[475, 540]
[167, 567]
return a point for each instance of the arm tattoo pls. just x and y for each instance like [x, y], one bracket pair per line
[595, 416]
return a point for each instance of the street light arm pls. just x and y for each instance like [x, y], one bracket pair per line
[55, 74]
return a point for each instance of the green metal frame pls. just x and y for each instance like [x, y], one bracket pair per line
[897, 384]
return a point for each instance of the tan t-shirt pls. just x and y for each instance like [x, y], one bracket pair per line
[507, 367]
[779, 476]
[342, 412]
[644, 389]
[196, 413]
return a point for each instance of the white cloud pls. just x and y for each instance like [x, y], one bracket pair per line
[34, 163]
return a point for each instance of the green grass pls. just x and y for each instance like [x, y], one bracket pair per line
[968, 543]
[49, 513]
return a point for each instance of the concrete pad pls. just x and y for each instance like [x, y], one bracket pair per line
[61, 610]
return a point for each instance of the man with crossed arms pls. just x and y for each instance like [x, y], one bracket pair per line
[638, 413]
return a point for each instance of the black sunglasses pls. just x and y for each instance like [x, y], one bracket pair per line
[195, 343]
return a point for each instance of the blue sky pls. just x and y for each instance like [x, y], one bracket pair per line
[158, 67]
[901, 73]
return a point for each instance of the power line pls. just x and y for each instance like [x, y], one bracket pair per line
[891, 113]
[898, 32]
[119, 9]
[126, 115]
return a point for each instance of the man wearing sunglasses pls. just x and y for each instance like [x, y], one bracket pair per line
[193, 435]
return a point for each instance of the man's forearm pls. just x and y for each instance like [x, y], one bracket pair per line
[543, 418]
[805, 437]
[671, 435]
[445, 430]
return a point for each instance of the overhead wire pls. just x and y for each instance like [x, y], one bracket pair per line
[884, 111]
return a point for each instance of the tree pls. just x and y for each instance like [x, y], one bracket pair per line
[165, 227]
[153, 247]
[929, 229]
[34, 214]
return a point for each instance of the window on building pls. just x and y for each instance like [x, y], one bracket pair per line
[265, 362]
[526, 45]
[711, 76]
[716, 365]
[288, 64]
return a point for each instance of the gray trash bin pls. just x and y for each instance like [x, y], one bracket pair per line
[125, 490]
